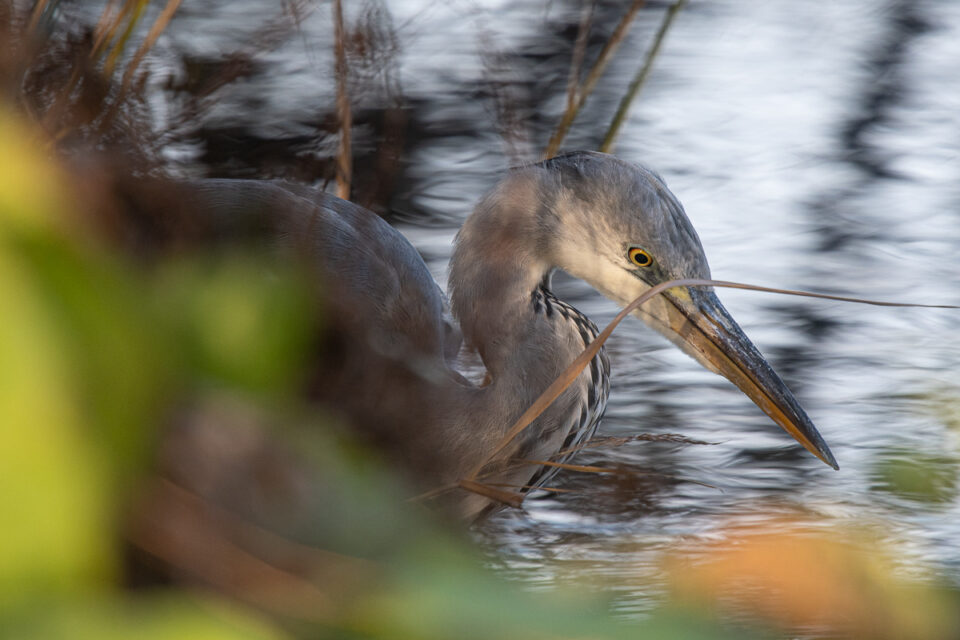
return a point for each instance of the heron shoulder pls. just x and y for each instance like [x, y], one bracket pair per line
[361, 259]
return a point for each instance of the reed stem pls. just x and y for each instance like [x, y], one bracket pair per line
[640, 78]
[344, 159]
[606, 54]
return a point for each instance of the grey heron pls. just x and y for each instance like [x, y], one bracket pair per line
[611, 223]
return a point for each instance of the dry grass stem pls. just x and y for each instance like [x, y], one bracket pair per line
[638, 81]
[606, 54]
[619, 441]
[106, 25]
[618, 471]
[509, 498]
[344, 159]
[530, 487]
[583, 468]
[131, 13]
[567, 377]
[579, 51]
[159, 26]
[38, 10]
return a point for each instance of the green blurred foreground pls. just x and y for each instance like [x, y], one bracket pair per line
[161, 475]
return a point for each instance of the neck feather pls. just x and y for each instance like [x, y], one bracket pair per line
[501, 257]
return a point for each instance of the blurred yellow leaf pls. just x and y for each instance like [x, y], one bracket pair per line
[80, 381]
[155, 617]
[57, 532]
[31, 192]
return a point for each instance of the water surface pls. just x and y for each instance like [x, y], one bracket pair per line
[814, 146]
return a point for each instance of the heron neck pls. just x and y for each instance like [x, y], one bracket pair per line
[498, 263]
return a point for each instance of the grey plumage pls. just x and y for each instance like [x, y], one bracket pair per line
[582, 212]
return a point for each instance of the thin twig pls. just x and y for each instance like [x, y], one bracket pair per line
[510, 498]
[583, 468]
[344, 159]
[617, 441]
[641, 77]
[606, 54]
[530, 487]
[619, 471]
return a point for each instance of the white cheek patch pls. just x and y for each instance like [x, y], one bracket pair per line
[609, 279]
[622, 287]
[619, 285]
[597, 266]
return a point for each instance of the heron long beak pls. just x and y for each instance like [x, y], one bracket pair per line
[697, 322]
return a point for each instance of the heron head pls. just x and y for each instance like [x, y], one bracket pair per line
[623, 231]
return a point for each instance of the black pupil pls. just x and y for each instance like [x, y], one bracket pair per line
[641, 258]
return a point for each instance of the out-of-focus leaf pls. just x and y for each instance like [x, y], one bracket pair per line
[118, 355]
[918, 476]
[32, 196]
[449, 597]
[84, 371]
[57, 535]
[71, 413]
[112, 355]
[446, 595]
[143, 617]
[243, 323]
[944, 403]
[821, 584]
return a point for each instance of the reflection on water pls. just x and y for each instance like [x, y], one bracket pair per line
[815, 145]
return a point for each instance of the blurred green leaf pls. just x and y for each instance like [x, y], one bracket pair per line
[110, 357]
[120, 358]
[54, 490]
[86, 369]
[917, 476]
[243, 321]
[944, 403]
[155, 617]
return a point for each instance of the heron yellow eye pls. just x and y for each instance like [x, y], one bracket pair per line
[640, 257]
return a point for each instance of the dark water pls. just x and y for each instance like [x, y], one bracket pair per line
[814, 146]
